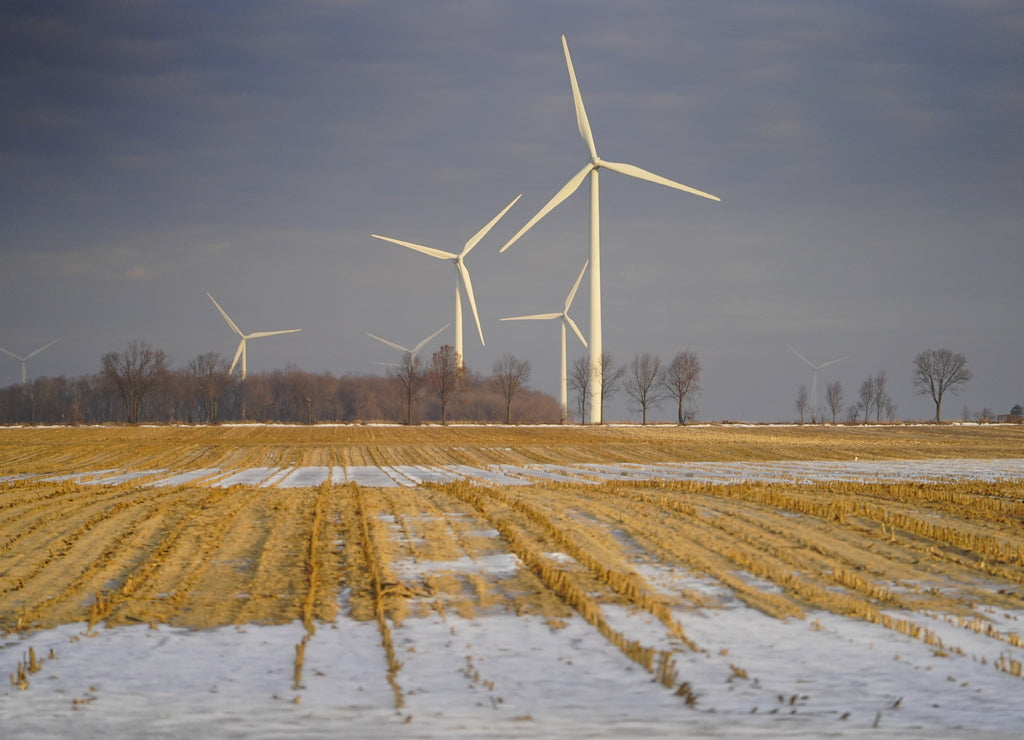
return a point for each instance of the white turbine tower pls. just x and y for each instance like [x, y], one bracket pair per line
[462, 281]
[406, 350]
[566, 321]
[814, 377]
[29, 356]
[591, 168]
[241, 345]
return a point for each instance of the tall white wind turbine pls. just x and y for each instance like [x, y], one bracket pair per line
[406, 350]
[29, 356]
[591, 168]
[814, 377]
[462, 281]
[241, 352]
[566, 321]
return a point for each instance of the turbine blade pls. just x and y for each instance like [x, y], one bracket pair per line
[11, 354]
[238, 353]
[440, 254]
[45, 346]
[575, 287]
[638, 172]
[833, 362]
[468, 285]
[483, 232]
[801, 357]
[399, 347]
[577, 99]
[258, 334]
[537, 316]
[568, 189]
[420, 346]
[571, 323]
[227, 318]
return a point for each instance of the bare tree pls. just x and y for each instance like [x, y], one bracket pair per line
[879, 395]
[834, 398]
[579, 381]
[209, 377]
[938, 371]
[682, 378]
[867, 397]
[852, 412]
[409, 378]
[801, 401]
[134, 374]
[446, 373]
[509, 375]
[611, 378]
[644, 383]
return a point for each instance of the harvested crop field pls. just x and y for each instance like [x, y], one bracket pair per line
[513, 581]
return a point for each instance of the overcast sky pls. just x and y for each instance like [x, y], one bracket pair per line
[869, 157]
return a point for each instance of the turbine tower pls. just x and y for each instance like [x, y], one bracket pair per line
[566, 321]
[814, 377]
[29, 356]
[240, 352]
[462, 281]
[406, 350]
[591, 168]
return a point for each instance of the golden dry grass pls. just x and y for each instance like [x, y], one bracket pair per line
[67, 449]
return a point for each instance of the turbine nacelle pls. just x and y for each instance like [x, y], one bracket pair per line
[591, 169]
[814, 375]
[414, 351]
[463, 282]
[241, 351]
[566, 321]
[29, 356]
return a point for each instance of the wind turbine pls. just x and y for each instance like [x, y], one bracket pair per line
[245, 337]
[462, 281]
[29, 356]
[566, 321]
[406, 350]
[814, 377]
[591, 168]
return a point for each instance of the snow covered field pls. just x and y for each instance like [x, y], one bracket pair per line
[500, 675]
[507, 676]
[398, 476]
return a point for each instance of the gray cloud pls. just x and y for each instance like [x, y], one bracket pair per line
[868, 156]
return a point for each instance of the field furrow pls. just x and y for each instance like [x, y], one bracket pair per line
[84, 557]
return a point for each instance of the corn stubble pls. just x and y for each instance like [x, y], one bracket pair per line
[886, 553]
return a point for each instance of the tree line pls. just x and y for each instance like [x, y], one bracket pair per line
[645, 379]
[937, 372]
[138, 385]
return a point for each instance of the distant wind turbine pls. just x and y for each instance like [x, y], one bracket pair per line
[462, 281]
[406, 350]
[566, 321]
[814, 377]
[241, 352]
[29, 356]
[591, 168]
